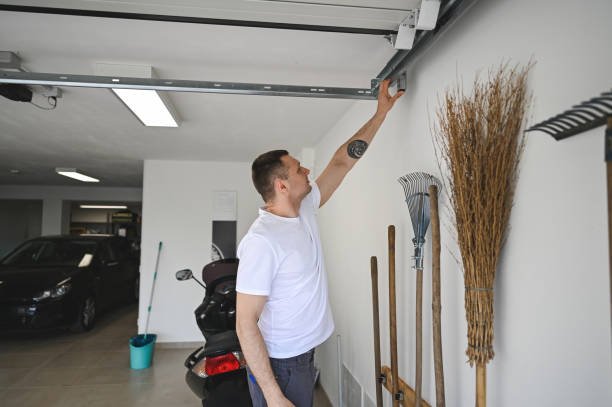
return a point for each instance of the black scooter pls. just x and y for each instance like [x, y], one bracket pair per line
[216, 372]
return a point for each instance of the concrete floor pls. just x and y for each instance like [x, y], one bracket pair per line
[92, 369]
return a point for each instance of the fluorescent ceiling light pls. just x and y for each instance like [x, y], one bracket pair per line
[147, 106]
[72, 173]
[103, 206]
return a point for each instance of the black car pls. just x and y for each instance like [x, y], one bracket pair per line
[65, 281]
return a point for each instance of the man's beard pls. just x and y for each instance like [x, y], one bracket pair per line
[308, 190]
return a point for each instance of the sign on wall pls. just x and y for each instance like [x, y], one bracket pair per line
[223, 225]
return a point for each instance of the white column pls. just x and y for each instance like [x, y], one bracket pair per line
[52, 216]
[66, 214]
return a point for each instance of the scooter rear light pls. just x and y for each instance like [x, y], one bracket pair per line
[211, 366]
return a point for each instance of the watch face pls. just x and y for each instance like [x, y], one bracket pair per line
[357, 148]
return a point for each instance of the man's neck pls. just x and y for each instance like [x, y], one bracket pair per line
[285, 209]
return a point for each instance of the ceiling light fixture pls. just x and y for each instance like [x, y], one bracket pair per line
[147, 106]
[153, 109]
[103, 206]
[72, 173]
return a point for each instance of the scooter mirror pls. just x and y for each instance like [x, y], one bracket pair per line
[183, 275]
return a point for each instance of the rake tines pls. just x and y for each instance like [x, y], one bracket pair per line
[416, 187]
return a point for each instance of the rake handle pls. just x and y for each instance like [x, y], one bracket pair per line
[436, 296]
[419, 338]
[376, 326]
[392, 314]
[609, 179]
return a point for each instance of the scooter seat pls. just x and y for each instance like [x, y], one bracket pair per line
[222, 343]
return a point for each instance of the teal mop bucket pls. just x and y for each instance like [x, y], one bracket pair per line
[141, 351]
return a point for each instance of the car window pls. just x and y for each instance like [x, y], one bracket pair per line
[50, 253]
[105, 254]
[121, 248]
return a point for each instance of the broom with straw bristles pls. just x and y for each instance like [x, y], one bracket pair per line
[480, 140]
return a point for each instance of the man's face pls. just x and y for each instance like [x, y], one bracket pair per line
[297, 177]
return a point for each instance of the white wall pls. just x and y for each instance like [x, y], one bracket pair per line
[54, 219]
[177, 209]
[552, 328]
[19, 220]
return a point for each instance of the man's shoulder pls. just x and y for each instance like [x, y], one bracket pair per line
[260, 234]
[259, 246]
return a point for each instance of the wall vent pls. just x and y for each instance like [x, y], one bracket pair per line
[351, 390]
[367, 401]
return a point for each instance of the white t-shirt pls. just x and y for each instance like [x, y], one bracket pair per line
[282, 258]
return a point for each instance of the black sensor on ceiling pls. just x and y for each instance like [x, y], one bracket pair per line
[16, 92]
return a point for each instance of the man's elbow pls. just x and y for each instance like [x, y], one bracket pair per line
[239, 325]
[341, 161]
[244, 324]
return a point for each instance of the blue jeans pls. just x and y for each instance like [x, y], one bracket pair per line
[295, 377]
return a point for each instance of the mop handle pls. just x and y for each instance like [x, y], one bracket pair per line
[152, 289]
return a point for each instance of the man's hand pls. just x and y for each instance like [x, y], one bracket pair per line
[385, 100]
[280, 402]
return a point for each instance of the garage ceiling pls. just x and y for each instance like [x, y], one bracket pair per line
[92, 131]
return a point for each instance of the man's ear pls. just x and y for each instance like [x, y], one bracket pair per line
[279, 186]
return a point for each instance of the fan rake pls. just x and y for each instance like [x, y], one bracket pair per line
[416, 188]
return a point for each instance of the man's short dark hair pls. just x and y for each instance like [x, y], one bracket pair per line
[265, 169]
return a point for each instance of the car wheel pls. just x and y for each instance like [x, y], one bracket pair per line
[87, 315]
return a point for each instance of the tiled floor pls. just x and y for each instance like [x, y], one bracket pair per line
[92, 369]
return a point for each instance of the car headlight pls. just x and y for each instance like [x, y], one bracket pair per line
[58, 291]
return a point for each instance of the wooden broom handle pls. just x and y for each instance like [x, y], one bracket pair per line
[392, 314]
[481, 385]
[376, 326]
[436, 296]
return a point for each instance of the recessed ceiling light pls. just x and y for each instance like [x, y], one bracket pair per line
[147, 106]
[72, 173]
[14, 171]
[103, 206]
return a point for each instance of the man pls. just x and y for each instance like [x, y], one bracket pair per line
[282, 306]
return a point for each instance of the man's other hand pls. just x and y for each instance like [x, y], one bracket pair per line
[280, 402]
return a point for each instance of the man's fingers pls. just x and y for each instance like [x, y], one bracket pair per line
[384, 86]
[398, 95]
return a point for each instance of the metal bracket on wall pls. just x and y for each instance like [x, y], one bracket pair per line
[10, 61]
[450, 11]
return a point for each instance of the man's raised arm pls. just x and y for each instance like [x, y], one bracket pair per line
[347, 155]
